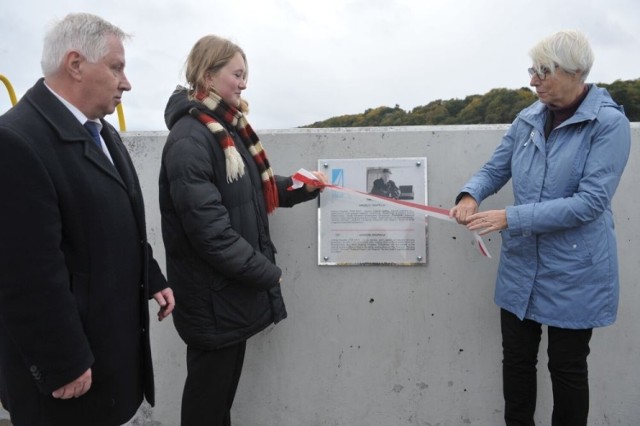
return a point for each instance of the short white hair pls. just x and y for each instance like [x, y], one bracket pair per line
[566, 49]
[82, 32]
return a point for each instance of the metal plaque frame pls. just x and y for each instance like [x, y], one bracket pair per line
[357, 229]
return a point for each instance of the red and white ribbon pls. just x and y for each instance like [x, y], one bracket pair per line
[302, 177]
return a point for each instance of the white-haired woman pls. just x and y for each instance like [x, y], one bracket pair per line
[565, 155]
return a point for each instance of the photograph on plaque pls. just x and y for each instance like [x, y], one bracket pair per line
[362, 221]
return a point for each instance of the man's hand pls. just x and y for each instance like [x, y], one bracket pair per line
[166, 301]
[77, 388]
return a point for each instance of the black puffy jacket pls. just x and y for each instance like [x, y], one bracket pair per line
[220, 258]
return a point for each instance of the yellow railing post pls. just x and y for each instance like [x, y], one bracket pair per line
[121, 122]
[12, 94]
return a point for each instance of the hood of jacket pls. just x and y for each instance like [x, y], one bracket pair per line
[178, 106]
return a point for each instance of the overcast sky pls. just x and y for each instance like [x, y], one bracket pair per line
[310, 60]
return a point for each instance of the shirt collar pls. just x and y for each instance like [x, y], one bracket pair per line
[74, 110]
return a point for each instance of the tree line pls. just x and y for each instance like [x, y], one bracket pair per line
[497, 106]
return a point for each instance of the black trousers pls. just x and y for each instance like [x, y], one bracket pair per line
[212, 381]
[567, 351]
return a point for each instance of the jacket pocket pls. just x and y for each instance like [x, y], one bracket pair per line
[236, 306]
[513, 245]
[568, 248]
[576, 256]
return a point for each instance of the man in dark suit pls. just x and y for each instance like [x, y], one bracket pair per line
[76, 271]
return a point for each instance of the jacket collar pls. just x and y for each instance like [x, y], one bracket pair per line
[70, 130]
[587, 111]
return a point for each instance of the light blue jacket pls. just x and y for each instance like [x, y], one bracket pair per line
[558, 263]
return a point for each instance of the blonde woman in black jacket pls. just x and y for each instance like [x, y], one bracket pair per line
[216, 192]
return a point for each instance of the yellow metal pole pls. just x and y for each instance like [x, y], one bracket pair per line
[12, 94]
[123, 125]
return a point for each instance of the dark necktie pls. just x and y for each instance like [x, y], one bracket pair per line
[92, 127]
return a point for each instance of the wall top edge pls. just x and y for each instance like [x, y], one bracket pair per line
[390, 129]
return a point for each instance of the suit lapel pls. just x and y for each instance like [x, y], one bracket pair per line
[122, 162]
[100, 160]
[120, 165]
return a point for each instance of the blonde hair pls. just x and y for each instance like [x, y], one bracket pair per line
[209, 55]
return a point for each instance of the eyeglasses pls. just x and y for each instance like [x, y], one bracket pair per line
[541, 72]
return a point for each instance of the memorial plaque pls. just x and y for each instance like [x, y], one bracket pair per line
[363, 221]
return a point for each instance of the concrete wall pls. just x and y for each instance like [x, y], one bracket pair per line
[384, 345]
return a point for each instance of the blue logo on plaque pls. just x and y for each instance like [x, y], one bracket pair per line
[337, 177]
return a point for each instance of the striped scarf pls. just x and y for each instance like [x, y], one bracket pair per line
[234, 164]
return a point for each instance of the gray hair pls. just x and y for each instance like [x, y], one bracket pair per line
[83, 32]
[567, 49]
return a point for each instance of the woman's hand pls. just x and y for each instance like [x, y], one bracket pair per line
[488, 221]
[466, 207]
[321, 177]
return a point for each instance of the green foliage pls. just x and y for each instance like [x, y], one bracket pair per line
[496, 106]
[627, 94]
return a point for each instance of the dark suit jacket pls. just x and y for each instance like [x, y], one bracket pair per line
[76, 271]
